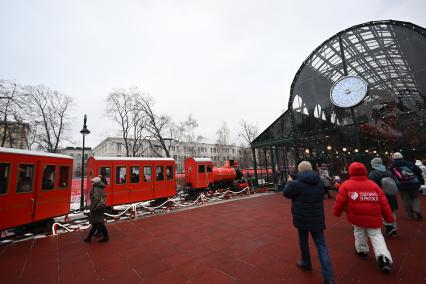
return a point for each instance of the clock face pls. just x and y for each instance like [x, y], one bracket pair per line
[348, 91]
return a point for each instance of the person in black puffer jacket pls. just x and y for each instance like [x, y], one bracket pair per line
[307, 197]
[379, 171]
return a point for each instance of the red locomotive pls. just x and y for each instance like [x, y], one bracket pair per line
[34, 186]
[201, 174]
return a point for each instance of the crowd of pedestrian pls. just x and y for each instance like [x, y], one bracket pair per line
[369, 200]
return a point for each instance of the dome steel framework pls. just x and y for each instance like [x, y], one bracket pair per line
[391, 57]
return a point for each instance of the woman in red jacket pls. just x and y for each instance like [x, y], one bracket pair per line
[365, 204]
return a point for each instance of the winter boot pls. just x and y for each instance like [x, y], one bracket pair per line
[384, 264]
[362, 254]
[390, 230]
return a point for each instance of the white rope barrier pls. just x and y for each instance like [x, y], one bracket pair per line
[118, 215]
[134, 207]
[190, 204]
[232, 192]
[58, 224]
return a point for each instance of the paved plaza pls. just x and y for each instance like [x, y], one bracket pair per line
[250, 240]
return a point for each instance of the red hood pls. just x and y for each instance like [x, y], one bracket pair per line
[357, 169]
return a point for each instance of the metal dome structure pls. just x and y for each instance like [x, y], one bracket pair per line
[390, 56]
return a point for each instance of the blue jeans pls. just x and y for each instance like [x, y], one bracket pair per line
[324, 257]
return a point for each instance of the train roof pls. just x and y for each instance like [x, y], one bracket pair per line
[202, 159]
[33, 153]
[130, 159]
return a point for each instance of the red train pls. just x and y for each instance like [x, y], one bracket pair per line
[33, 186]
[201, 174]
[36, 186]
[131, 180]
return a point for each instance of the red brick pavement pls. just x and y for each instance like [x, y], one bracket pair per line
[243, 241]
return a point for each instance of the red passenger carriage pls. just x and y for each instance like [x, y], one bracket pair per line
[130, 180]
[34, 186]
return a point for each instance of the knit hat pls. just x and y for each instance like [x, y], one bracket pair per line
[304, 166]
[397, 155]
[377, 164]
[96, 180]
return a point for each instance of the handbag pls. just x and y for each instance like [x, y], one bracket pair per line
[389, 186]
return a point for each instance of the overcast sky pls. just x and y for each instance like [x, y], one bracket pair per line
[217, 60]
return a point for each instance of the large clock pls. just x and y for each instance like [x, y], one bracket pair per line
[348, 91]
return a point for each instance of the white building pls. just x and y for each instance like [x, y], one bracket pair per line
[76, 153]
[179, 151]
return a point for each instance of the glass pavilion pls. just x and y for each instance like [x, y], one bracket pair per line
[391, 57]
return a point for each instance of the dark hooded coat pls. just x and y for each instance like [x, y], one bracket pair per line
[307, 198]
[97, 203]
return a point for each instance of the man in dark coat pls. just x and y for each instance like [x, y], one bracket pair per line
[377, 174]
[409, 189]
[97, 209]
[307, 196]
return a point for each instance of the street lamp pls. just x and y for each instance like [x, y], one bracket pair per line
[84, 132]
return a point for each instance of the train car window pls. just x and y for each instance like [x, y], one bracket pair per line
[134, 174]
[105, 173]
[159, 173]
[64, 177]
[169, 172]
[25, 178]
[201, 169]
[48, 182]
[120, 175]
[4, 178]
[147, 174]
[209, 169]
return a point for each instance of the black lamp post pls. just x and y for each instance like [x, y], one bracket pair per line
[85, 132]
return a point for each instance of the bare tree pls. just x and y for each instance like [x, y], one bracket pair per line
[157, 126]
[124, 106]
[186, 134]
[50, 111]
[222, 141]
[248, 131]
[15, 129]
[8, 107]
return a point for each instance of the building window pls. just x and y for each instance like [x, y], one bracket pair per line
[4, 178]
[118, 147]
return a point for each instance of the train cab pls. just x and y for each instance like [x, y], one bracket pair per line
[198, 172]
[34, 186]
[132, 179]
